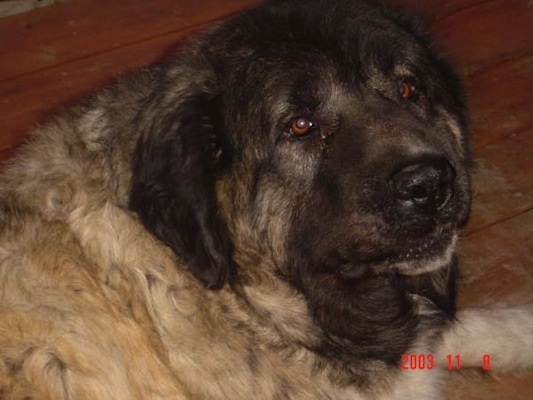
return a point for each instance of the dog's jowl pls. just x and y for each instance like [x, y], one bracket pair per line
[272, 215]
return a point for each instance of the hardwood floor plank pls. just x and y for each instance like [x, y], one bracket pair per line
[502, 183]
[78, 29]
[501, 101]
[435, 9]
[487, 34]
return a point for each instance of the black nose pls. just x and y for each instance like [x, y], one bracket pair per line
[424, 186]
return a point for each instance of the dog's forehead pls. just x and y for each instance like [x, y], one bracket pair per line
[356, 37]
[292, 57]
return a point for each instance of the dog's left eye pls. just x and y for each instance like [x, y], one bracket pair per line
[301, 126]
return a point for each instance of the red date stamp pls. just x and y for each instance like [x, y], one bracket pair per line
[411, 362]
[417, 361]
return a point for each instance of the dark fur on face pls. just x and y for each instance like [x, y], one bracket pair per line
[372, 193]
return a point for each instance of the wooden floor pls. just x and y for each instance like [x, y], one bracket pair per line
[54, 55]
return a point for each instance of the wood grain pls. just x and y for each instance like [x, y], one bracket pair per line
[78, 29]
[486, 34]
[501, 101]
[502, 181]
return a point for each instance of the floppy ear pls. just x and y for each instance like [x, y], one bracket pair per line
[175, 166]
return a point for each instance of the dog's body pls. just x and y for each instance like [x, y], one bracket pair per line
[272, 216]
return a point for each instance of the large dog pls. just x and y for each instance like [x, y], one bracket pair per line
[272, 216]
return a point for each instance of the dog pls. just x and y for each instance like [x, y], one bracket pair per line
[272, 215]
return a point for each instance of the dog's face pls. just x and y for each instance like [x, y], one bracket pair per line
[363, 128]
[328, 139]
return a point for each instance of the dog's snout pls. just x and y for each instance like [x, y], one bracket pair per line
[425, 186]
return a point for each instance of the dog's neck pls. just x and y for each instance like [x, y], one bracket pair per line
[348, 340]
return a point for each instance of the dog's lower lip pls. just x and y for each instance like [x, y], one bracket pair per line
[417, 252]
[429, 255]
[422, 259]
[411, 257]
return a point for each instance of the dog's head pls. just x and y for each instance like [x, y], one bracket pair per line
[329, 137]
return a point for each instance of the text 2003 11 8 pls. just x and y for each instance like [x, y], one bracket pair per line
[411, 362]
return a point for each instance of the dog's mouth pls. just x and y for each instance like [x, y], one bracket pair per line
[408, 258]
[428, 256]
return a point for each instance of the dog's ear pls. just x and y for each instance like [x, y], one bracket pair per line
[175, 167]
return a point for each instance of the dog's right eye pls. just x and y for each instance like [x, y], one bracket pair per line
[301, 127]
[407, 90]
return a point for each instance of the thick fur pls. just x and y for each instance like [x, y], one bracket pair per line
[177, 236]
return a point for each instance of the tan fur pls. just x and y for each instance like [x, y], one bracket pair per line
[92, 306]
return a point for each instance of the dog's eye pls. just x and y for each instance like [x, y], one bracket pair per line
[407, 90]
[301, 126]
